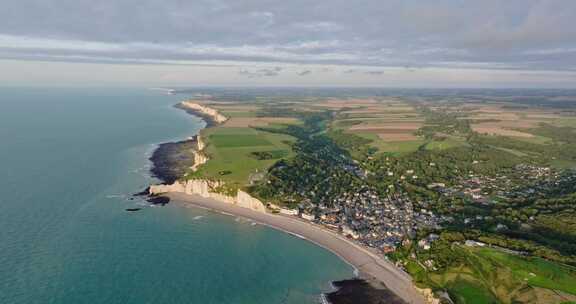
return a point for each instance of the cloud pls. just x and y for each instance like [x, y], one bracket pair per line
[321, 26]
[493, 34]
[258, 73]
[267, 18]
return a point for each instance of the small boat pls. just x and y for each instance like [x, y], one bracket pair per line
[133, 209]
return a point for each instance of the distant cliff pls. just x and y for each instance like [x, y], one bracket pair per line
[210, 115]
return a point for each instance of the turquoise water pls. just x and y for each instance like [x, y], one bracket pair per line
[69, 158]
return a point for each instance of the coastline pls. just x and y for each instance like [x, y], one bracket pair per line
[368, 265]
[376, 279]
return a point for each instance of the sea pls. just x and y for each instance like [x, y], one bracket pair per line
[70, 160]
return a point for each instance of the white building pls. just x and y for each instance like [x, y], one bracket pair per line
[288, 211]
[308, 217]
[471, 243]
[349, 232]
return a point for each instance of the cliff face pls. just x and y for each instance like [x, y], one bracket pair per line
[199, 159]
[211, 116]
[205, 188]
[213, 113]
[201, 143]
[245, 200]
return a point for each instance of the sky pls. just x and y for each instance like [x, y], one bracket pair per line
[387, 43]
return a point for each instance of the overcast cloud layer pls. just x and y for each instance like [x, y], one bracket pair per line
[410, 34]
[487, 33]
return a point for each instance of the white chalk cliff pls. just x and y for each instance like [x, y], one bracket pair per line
[200, 143]
[213, 113]
[200, 157]
[205, 189]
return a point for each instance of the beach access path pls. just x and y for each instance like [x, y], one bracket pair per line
[367, 263]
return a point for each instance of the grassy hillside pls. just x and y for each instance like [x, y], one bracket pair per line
[489, 275]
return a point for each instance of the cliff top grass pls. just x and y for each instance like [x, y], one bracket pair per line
[239, 155]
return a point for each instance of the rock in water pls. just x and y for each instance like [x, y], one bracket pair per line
[357, 291]
[158, 200]
[144, 192]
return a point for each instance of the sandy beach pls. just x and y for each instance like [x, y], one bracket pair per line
[367, 263]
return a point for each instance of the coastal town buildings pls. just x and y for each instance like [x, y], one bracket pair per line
[383, 222]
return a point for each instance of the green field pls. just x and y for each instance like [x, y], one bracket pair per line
[403, 147]
[488, 275]
[238, 113]
[398, 147]
[231, 153]
[513, 151]
[382, 115]
[238, 140]
[448, 143]
[541, 140]
[535, 271]
[565, 122]
[466, 292]
[563, 164]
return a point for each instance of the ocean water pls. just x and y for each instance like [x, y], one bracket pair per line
[69, 160]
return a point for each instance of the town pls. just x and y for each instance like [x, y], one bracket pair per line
[383, 222]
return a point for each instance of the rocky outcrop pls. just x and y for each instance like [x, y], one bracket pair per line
[199, 157]
[205, 189]
[200, 142]
[172, 160]
[199, 160]
[429, 296]
[204, 111]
